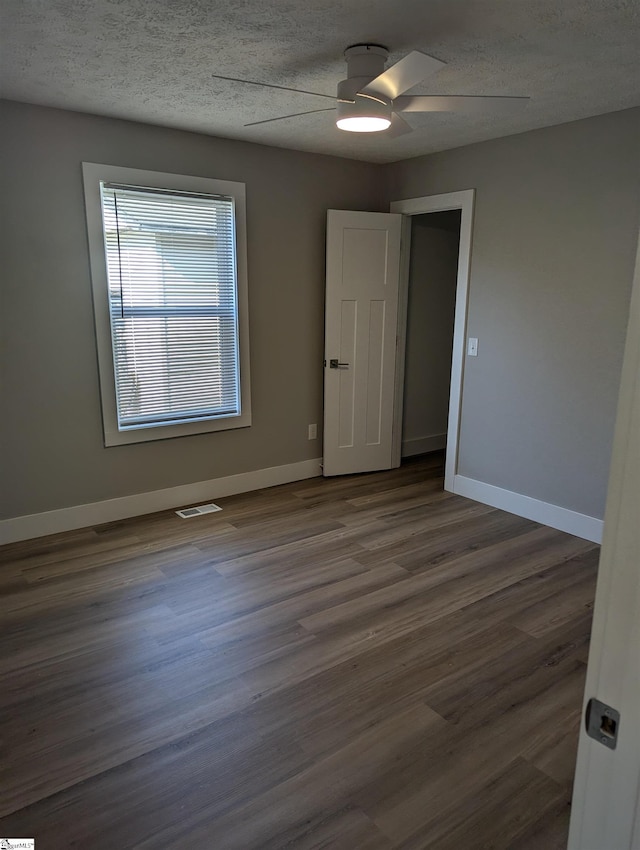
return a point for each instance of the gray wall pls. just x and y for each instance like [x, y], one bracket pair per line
[555, 231]
[52, 441]
[432, 296]
[554, 238]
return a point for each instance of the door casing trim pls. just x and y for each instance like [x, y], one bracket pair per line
[463, 200]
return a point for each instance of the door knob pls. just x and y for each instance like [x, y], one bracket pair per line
[334, 364]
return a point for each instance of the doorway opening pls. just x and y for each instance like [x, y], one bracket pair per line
[366, 300]
[462, 204]
[431, 301]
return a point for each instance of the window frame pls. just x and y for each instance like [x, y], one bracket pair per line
[93, 175]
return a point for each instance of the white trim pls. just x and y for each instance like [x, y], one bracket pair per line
[464, 201]
[581, 525]
[397, 446]
[93, 174]
[605, 811]
[110, 510]
[422, 445]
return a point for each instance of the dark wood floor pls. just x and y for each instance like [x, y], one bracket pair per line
[363, 663]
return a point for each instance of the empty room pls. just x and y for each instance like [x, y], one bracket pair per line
[320, 446]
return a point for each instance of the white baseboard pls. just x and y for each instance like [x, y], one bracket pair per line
[422, 445]
[110, 510]
[581, 525]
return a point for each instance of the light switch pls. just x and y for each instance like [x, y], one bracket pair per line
[472, 347]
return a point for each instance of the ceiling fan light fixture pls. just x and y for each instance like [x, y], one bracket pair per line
[363, 123]
[372, 98]
[361, 113]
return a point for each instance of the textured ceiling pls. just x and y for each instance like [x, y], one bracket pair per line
[153, 61]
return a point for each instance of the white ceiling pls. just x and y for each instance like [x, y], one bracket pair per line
[153, 61]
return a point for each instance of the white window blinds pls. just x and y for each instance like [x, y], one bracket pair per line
[171, 267]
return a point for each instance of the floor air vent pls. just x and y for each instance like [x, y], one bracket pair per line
[187, 513]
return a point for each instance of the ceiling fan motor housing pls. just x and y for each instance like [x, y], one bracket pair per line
[365, 62]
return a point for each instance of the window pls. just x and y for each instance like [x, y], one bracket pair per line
[168, 265]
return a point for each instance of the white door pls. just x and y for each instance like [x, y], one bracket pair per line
[605, 814]
[363, 271]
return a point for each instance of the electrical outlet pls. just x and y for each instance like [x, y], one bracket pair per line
[313, 432]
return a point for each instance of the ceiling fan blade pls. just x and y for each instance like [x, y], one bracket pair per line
[398, 126]
[405, 74]
[272, 86]
[294, 115]
[457, 103]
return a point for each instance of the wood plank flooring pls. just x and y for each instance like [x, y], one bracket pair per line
[363, 663]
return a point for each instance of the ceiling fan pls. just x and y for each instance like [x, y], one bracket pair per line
[372, 98]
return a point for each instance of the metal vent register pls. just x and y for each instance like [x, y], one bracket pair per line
[187, 513]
